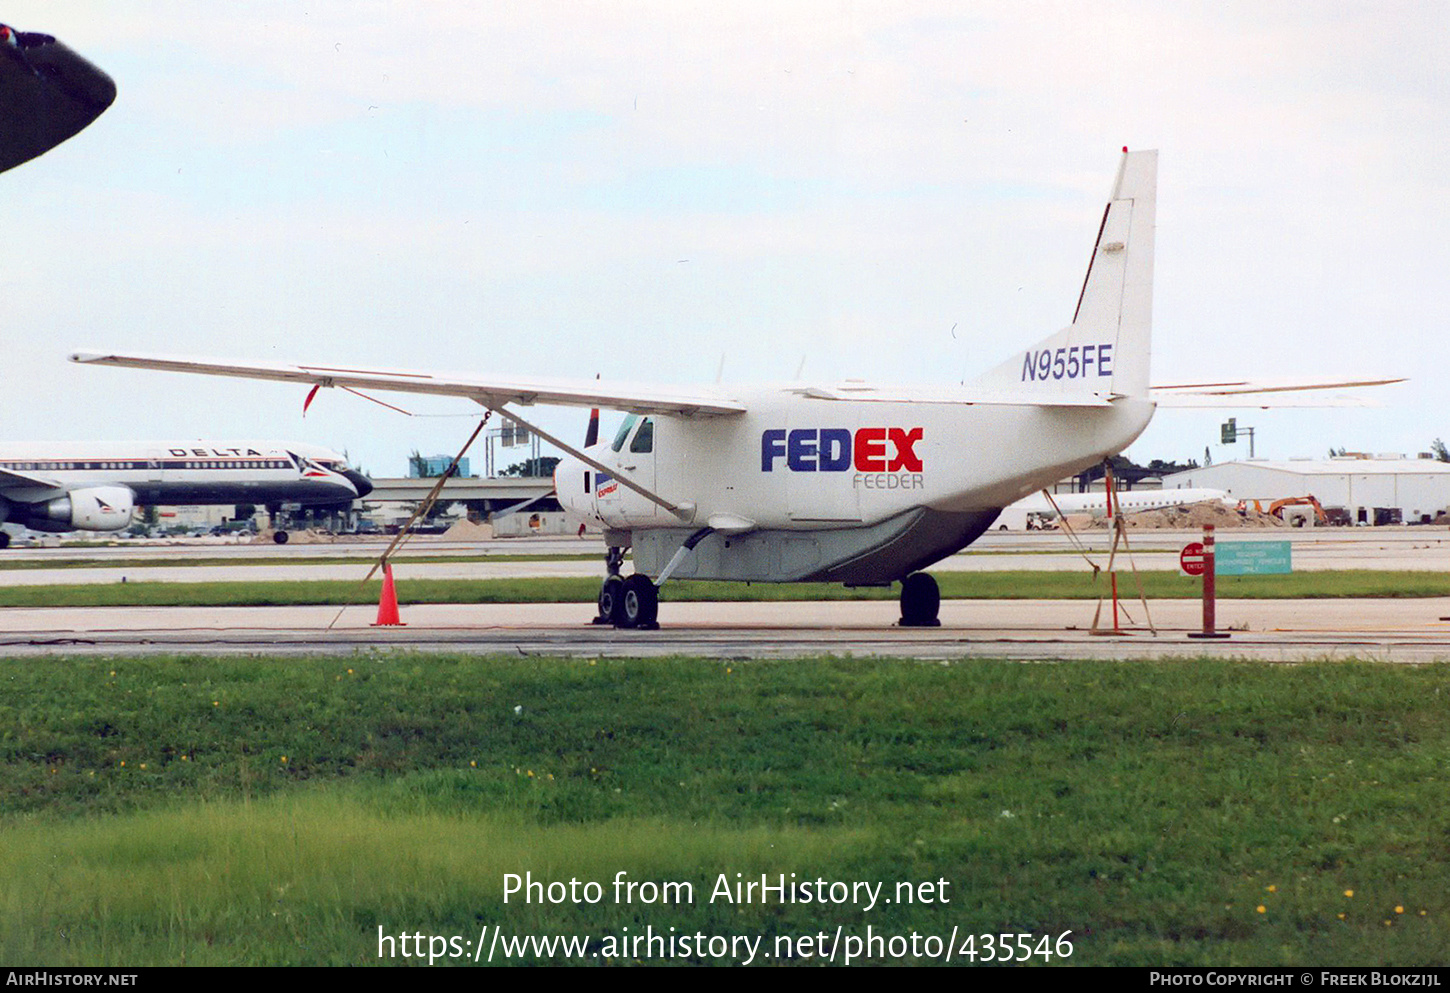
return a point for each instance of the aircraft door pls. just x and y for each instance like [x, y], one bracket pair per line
[820, 480]
[633, 453]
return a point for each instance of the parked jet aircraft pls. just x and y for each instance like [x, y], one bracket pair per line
[1014, 517]
[95, 486]
[857, 483]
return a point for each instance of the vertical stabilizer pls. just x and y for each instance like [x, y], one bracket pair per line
[1107, 348]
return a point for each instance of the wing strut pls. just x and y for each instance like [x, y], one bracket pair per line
[685, 549]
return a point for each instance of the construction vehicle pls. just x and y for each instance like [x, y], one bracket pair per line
[1276, 509]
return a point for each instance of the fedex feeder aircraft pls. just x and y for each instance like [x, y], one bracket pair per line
[95, 486]
[857, 483]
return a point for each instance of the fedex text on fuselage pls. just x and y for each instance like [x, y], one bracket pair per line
[869, 450]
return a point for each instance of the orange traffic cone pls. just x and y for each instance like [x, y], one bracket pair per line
[388, 602]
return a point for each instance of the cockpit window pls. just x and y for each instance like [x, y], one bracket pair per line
[623, 433]
[644, 441]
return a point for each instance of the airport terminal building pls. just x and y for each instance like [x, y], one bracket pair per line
[1380, 489]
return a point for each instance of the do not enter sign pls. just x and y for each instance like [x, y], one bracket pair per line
[1190, 560]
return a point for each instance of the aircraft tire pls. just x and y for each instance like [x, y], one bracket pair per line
[280, 537]
[611, 601]
[4, 539]
[640, 605]
[920, 601]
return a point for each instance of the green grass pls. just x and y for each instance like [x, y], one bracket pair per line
[399, 558]
[309, 878]
[1027, 584]
[207, 811]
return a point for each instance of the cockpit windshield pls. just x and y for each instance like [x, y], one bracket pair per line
[623, 432]
[644, 441]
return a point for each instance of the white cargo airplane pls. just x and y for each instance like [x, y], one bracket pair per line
[95, 486]
[856, 483]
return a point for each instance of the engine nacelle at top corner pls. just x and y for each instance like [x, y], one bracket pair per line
[90, 508]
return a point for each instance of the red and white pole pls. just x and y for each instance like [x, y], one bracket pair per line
[1113, 508]
[1210, 591]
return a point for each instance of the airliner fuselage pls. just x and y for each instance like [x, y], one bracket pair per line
[95, 485]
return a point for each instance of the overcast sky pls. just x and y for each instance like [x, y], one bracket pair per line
[907, 191]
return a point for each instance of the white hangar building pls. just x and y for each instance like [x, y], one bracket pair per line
[1373, 489]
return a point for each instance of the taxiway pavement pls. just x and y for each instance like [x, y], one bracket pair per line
[1402, 630]
[1411, 631]
[1401, 548]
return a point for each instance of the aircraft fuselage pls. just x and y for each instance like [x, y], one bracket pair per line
[799, 487]
[94, 485]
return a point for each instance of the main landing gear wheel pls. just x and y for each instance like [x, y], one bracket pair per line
[920, 601]
[641, 604]
[280, 537]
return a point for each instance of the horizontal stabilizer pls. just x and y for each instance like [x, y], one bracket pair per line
[1266, 393]
[967, 394]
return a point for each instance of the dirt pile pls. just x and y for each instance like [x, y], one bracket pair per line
[1196, 515]
[466, 530]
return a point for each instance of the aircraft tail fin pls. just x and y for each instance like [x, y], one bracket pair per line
[1107, 348]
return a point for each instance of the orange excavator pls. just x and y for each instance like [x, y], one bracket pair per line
[1276, 508]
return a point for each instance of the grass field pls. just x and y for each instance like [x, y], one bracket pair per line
[1025, 585]
[191, 561]
[190, 810]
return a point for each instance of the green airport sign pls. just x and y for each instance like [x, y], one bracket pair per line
[1253, 558]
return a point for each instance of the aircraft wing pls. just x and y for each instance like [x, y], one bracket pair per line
[12, 480]
[637, 398]
[1275, 393]
[486, 390]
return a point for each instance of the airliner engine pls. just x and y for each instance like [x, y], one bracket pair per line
[91, 508]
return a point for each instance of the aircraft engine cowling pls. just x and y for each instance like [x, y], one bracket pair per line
[90, 508]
